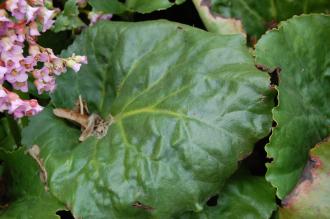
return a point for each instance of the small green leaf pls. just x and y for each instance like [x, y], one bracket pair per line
[22, 193]
[142, 6]
[300, 48]
[7, 138]
[146, 6]
[243, 196]
[68, 19]
[258, 16]
[112, 7]
[187, 105]
[215, 23]
[310, 198]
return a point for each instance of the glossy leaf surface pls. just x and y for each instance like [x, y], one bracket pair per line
[258, 16]
[142, 6]
[301, 49]
[187, 105]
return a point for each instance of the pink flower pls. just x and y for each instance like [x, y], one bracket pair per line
[28, 63]
[58, 66]
[3, 71]
[12, 103]
[80, 59]
[31, 13]
[3, 16]
[75, 62]
[33, 108]
[34, 50]
[95, 17]
[6, 43]
[33, 30]
[46, 17]
[17, 8]
[3, 100]
[11, 5]
[44, 81]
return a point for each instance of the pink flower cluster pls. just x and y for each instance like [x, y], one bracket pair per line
[11, 102]
[21, 22]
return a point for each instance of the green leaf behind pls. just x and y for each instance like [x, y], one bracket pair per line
[112, 7]
[300, 48]
[142, 6]
[258, 16]
[215, 23]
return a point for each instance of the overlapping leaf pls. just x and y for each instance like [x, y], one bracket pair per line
[112, 7]
[187, 105]
[301, 49]
[258, 16]
[22, 194]
[310, 199]
[215, 23]
[244, 196]
[142, 6]
[68, 19]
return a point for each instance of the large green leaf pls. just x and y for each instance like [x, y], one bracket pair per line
[21, 189]
[142, 6]
[244, 196]
[258, 16]
[187, 105]
[300, 47]
[311, 199]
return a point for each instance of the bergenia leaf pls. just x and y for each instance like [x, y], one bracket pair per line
[258, 16]
[310, 198]
[112, 7]
[146, 6]
[216, 23]
[22, 193]
[300, 49]
[141, 6]
[185, 104]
